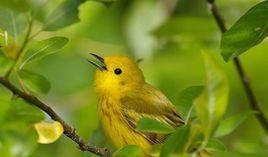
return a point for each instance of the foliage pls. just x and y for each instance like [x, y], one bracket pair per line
[43, 48]
[35, 82]
[212, 102]
[15, 126]
[186, 99]
[247, 32]
[150, 125]
[176, 142]
[170, 38]
[229, 124]
[64, 15]
[15, 26]
[128, 151]
[5, 64]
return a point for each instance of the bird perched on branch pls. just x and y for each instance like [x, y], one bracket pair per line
[125, 98]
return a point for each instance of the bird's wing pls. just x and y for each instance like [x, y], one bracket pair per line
[149, 102]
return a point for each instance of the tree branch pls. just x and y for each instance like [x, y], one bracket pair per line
[254, 105]
[68, 130]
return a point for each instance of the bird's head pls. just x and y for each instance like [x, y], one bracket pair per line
[116, 75]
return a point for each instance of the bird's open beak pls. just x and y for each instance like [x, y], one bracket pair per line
[100, 66]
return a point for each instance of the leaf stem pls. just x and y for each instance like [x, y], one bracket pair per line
[68, 130]
[35, 34]
[23, 46]
[254, 105]
[21, 82]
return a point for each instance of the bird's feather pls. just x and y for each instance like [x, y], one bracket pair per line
[149, 102]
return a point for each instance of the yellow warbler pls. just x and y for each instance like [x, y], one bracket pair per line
[125, 98]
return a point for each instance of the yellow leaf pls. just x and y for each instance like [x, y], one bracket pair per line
[48, 132]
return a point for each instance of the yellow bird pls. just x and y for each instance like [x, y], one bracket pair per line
[125, 98]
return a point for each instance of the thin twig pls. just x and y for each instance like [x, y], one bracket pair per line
[254, 105]
[23, 46]
[68, 130]
[35, 34]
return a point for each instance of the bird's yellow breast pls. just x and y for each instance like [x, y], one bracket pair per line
[116, 127]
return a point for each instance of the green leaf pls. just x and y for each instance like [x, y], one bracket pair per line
[36, 8]
[186, 99]
[17, 5]
[43, 48]
[107, 3]
[212, 102]
[129, 151]
[215, 145]
[176, 142]
[247, 32]
[35, 82]
[65, 14]
[228, 125]
[12, 21]
[22, 111]
[5, 64]
[150, 125]
[196, 138]
[4, 106]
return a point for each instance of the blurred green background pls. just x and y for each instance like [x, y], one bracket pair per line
[169, 36]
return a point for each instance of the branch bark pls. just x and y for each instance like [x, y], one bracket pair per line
[68, 130]
[254, 105]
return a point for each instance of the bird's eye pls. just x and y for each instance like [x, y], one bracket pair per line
[117, 71]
